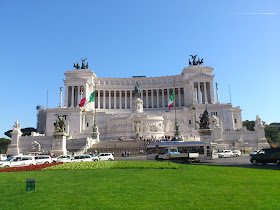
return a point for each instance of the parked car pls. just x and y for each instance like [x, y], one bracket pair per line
[43, 159]
[3, 156]
[64, 159]
[264, 156]
[94, 157]
[23, 160]
[254, 152]
[278, 163]
[82, 158]
[225, 153]
[106, 157]
[236, 153]
[55, 159]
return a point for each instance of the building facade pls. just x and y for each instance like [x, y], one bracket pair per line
[119, 113]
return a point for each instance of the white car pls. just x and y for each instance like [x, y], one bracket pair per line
[254, 152]
[106, 157]
[94, 157]
[64, 159]
[236, 153]
[43, 159]
[82, 158]
[23, 160]
[225, 153]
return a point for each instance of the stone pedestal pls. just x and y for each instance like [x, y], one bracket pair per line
[217, 135]
[205, 135]
[137, 105]
[261, 141]
[14, 146]
[59, 143]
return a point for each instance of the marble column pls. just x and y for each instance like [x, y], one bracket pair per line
[157, 98]
[130, 99]
[179, 95]
[152, 97]
[168, 94]
[198, 89]
[60, 97]
[109, 99]
[98, 104]
[72, 99]
[162, 96]
[125, 98]
[104, 99]
[115, 99]
[211, 92]
[205, 93]
[120, 99]
[147, 98]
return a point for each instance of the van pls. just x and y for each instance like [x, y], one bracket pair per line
[82, 158]
[43, 159]
[16, 161]
[264, 156]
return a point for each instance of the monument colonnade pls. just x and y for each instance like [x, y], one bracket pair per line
[116, 97]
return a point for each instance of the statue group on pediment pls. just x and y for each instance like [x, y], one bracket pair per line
[195, 62]
[84, 66]
[60, 123]
[204, 121]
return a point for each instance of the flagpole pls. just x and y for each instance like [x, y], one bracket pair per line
[95, 103]
[177, 129]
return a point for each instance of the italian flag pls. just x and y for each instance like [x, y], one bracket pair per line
[84, 101]
[170, 102]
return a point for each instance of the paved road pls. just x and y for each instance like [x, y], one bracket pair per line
[243, 161]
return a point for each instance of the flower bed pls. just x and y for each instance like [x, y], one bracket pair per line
[28, 168]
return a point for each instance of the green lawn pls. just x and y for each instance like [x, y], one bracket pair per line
[191, 187]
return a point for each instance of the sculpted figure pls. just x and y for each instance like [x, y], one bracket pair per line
[83, 63]
[258, 120]
[60, 123]
[17, 125]
[137, 91]
[193, 57]
[137, 126]
[216, 121]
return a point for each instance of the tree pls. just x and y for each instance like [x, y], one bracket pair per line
[4, 143]
[25, 131]
[249, 125]
[272, 133]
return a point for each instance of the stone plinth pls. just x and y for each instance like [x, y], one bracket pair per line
[137, 105]
[59, 143]
[14, 146]
[205, 135]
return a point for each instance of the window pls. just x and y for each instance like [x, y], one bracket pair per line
[190, 122]
[235, 121]
[214, 113]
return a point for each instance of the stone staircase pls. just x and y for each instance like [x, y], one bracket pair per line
[118, 147]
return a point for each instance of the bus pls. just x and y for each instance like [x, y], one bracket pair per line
[205, 150]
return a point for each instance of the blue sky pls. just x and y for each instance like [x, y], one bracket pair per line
[40, 40]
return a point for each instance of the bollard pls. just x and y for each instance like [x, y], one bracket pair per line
[30, 185]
